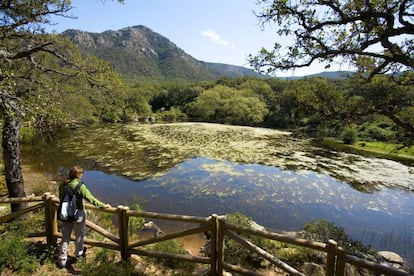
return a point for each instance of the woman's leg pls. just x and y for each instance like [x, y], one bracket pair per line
[79, 233]
[66, 231]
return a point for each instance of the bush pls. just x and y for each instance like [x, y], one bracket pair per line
[293, 255]
[136, 223]
[322, 230]
[41, 188]
[15, 255]
[376, 133]
[349, 136]
[105, 263]
[174, 247]
[172, 115]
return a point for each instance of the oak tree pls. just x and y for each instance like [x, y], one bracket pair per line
[374, 36]
[33, 67]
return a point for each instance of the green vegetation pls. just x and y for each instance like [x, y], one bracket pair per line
[64, 85]
[136, 223]
[18, 255]
[15, 255]
[322, 230]
[106, 262]
[174, 247]
[316, 230]
[47, 82]
[384, 150]
[21, 257]
[345, 32]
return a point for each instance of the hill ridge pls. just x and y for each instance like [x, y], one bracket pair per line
[138, 53]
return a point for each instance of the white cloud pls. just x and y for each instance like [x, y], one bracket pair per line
[212, 36]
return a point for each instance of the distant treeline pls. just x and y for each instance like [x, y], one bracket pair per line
[348, 109]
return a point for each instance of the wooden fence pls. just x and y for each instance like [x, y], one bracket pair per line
[336, 257]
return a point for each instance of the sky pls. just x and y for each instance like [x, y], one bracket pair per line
[221, 31]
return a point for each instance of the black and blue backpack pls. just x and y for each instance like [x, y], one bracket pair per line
[68, 210]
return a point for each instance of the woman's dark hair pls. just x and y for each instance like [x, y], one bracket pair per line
[75, 172]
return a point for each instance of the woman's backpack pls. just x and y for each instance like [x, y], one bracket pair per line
[67, 210]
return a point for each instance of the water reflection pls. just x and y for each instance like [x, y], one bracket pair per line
[276, 198]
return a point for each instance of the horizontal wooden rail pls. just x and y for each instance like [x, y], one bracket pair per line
[382, 269]
[183, 218]
[263, 254]
[19, 213]
[180, 257]
[240, 270]
[102, 231]
[171, 236]
[21, 199]
[278, 237]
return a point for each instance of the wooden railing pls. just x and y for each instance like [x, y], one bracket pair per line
[220, 229]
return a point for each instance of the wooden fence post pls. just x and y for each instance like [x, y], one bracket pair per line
[331, 257]
[213, 244]
[123, 231]
[340, 262]
[220, 245]
[50, 220]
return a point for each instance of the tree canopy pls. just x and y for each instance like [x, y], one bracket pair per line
[374, 36]
[37, 73]
[227, 105]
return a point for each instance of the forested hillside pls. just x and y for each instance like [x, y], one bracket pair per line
[138, 53]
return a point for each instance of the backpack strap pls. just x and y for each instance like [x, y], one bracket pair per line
[78, 187]
[74, 192]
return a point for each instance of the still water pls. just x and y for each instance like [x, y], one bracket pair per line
[278, 197]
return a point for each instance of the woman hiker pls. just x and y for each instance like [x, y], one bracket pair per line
[75, 175]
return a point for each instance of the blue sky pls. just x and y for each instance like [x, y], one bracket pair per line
[223, 31]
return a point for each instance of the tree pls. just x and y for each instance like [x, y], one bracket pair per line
[374, 36]
[32, 65]
[224, 104]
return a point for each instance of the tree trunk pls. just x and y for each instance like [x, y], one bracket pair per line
[12, 160]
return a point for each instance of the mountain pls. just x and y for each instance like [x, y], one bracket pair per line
[138, 53]
[327, 75]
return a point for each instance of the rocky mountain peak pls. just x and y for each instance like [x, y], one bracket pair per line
[139, 52]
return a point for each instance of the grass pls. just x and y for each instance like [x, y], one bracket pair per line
[373, 149]
[386, 148]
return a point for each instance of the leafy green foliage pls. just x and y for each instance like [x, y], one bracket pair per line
[16, 254]
[227, 105]
[349, 136]
[322, 230]
[172, 246]
[105, 262]
[136, 223]
[237, 254]
[172, 115]
[343, 31]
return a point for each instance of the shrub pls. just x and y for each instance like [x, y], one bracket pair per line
[26, 134]
[41, 188]
[15, 255]
[174, 247]
[290, 254]
[373, 132]
[105, 263]
[172, 115]
[349, 136]
[322, 230]
[136, 223]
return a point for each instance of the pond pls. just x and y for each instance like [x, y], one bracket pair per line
[203, 169]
